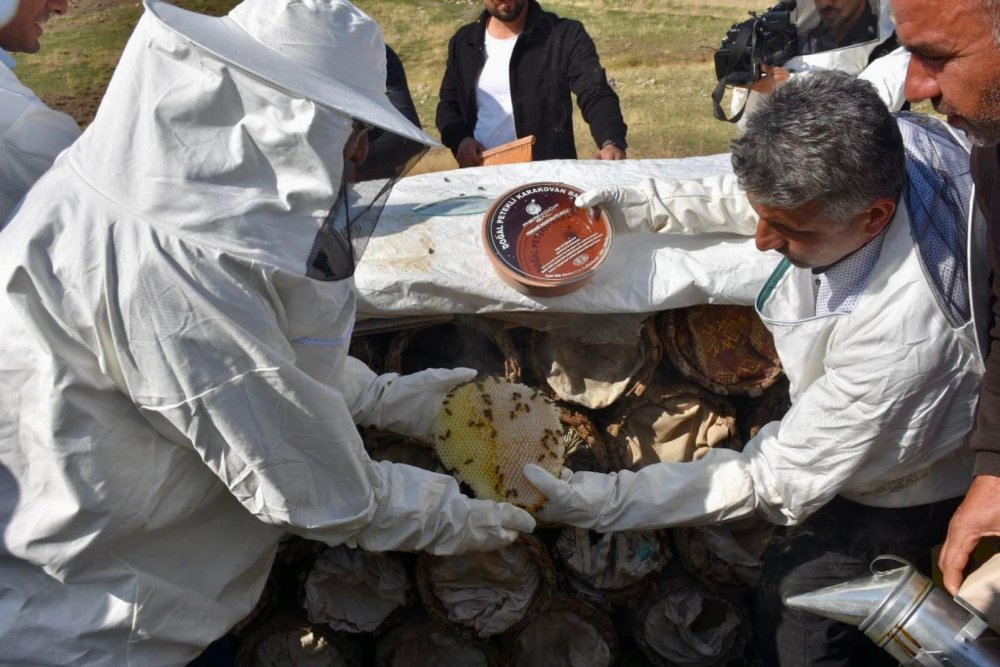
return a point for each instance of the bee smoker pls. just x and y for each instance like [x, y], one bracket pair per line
[907, 616]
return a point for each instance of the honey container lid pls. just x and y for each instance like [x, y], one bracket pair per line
[542, 244]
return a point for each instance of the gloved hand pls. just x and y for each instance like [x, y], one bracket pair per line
[408, 404]
[715, 488]
[693, 206]
[425, 511]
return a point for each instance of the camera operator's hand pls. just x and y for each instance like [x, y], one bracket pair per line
[771, 79]
[469, 153]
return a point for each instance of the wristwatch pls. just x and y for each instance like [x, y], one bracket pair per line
[619, 143]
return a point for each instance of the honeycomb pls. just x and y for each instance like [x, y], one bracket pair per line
[488, 429]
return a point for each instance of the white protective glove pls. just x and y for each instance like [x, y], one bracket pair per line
[715, 488]
[714, 204]
[404, 404]
[425, 511]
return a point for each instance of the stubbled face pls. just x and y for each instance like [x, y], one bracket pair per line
[954, 62]
[836, 14]
[805, 237]
[505, 10]
[21, 35]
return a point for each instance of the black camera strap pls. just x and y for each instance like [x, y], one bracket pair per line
[739, 44]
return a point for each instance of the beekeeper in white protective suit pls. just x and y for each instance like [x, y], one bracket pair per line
[872, 318]
[31, 134]
[857, 37]
[175, 390]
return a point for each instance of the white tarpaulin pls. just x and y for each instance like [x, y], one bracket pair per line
[427, 257]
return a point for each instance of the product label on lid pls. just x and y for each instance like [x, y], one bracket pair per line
[537, 232]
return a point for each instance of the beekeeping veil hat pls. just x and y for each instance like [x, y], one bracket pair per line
[331, 54]
[322, 50]
[7, 10]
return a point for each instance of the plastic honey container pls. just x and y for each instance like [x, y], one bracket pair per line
[540, 243]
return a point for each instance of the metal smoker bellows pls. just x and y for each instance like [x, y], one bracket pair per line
[906, 615]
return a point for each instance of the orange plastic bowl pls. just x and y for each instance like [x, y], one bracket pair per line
[540, 243]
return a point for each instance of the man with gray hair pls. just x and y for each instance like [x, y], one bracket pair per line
[872, 320]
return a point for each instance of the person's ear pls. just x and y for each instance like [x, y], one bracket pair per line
[878, 215]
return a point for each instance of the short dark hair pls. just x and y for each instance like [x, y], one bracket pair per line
[822, 136]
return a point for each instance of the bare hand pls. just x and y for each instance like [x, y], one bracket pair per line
[773, 77]
[610, 152]
[469, 153]
[978, 516]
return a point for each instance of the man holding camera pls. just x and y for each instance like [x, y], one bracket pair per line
[852, 36]
[872, 320]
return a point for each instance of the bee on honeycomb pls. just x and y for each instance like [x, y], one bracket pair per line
[488, 429]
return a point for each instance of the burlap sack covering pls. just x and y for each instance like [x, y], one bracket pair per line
[568, 633]
[482, 594]
[609, 568]
[725, 349]
[676, 421]
[725, 555]
[285, 641]
[352, 590]
[596, 365]
[420, 641]
[680, 623]
[470, 342]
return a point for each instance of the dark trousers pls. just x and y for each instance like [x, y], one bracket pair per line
[836, 544]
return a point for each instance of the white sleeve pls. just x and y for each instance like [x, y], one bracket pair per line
[714, 204]
[697, 206]
[888, 75]
[881, 411]
[31, 136]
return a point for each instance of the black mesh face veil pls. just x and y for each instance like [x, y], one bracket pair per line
[344, 234]
[939, 199]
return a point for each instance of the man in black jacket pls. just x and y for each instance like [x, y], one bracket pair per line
[510, 75]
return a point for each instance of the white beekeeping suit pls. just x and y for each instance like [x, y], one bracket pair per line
[883, 396]
[887, 73]
[31, 134]
[175, 391]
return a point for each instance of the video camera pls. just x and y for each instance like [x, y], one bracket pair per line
[769, 38]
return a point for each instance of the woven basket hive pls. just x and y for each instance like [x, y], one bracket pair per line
[483, 594]
[725, 349]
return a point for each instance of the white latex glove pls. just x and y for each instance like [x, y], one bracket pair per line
[406, 404]
[425, 511]
[713, 489]
[713, 204]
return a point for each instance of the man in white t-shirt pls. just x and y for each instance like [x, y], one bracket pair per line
[512, 74]
[31, 134]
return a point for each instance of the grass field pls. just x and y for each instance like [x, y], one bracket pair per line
[658, 55]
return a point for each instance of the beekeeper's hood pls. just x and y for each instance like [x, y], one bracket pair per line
[229, 131]
[851, 59]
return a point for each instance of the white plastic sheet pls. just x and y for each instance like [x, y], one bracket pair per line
[427, 256]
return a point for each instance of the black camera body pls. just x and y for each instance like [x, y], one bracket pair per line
[769, 38]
